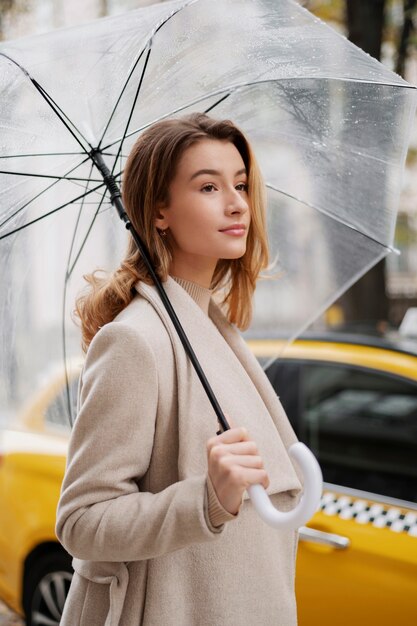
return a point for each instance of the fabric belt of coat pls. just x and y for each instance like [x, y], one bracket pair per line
[118, 582]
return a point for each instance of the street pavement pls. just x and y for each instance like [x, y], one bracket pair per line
[8, 618]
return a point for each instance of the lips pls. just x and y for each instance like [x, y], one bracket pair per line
[236, 228]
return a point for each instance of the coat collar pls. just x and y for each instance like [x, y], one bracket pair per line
[182, 302]
[272, 432]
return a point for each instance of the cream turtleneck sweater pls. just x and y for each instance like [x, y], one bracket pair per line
[201, 296]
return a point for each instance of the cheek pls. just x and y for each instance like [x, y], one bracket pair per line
[195, 215]
[195, 233]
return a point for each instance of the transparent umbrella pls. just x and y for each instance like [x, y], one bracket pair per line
[329, 125]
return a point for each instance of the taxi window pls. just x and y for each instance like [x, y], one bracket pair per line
[285, 379]
[362, 425]
[56, 413]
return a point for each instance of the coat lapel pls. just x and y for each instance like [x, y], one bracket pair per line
[230, 368]
[255, 373]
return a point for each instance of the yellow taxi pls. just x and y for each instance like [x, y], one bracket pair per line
[35, 571]
[353, 401]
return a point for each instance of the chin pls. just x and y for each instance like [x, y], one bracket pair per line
[233, 255]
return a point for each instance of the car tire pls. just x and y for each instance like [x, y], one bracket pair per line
[46, 588]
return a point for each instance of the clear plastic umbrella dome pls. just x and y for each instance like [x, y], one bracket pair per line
[328, 123]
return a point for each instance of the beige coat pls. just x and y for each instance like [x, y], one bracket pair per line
[133, 508]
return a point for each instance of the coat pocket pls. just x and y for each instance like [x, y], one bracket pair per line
[108, 580]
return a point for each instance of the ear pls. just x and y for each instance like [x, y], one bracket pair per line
[161, 221]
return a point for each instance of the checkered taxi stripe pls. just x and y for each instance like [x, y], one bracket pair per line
[364, 512]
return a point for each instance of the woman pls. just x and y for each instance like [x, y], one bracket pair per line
[162, 532]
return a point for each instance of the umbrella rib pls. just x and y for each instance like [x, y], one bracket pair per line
[77, 222]
[68, 273]
[239, 86]
[148, 44]
[22, 208]
[64, 304]
[62, 116]
[210, 108]
[41, 154]
[38, 195]
[57, 178]
[62, 206]
[171, 15]
[50, 101]
[120, 97]
[145, 65]
[74, 263]
[331, 215]
[329, 300]
[305, 121]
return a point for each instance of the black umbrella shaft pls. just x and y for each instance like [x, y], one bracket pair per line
[116, 200]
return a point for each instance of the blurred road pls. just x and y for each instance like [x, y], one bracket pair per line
[7, 618]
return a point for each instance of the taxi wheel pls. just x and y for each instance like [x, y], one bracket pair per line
[46, 587]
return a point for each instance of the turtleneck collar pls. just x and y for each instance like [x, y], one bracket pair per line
[201, 295]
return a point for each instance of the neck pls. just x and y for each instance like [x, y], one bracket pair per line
[202, 274]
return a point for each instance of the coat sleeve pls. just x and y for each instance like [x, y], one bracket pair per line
[101, 514]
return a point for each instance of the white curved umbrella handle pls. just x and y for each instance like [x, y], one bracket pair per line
[309, 502]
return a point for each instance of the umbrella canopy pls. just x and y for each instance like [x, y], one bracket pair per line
[328, 123]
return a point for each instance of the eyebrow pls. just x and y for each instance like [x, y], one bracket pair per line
[215, 173]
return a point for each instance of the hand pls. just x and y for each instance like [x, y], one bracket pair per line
[233, 465]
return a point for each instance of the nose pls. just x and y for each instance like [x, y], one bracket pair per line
[237, 203]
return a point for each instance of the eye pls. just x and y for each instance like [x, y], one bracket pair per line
[208, 188]
[242, 187]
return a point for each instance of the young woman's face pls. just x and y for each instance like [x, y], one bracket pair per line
[208, 214]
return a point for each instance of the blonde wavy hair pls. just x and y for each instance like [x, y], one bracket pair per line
[150, 168]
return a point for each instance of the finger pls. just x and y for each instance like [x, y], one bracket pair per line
[240, 447]
[248, 476]
[243, 460]
[229, 436]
